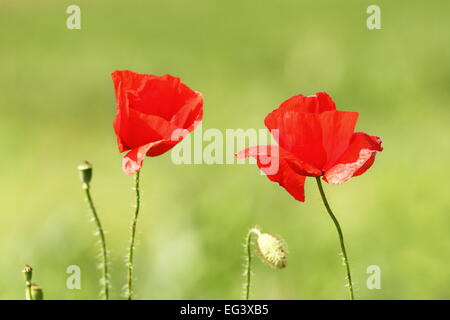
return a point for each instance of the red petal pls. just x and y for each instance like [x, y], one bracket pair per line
[157, 95]
[190, 113]
[365, 166]
[273, 162]
[337, 131]
[358, 157]
[165, 145]
[132, 161]
[150, 108]
[317, 103]
[316, 138]
[140, 129]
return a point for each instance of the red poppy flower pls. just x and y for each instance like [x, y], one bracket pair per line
[154, 113]
[314, 139]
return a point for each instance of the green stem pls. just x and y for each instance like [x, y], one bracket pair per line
[248, 267]
[341, 237]
[129, 292]
[102, 239]
[29, 297]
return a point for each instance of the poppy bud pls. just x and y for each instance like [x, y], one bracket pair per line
[36, 293]
[27, 273]
[272, 249]
[85, 172]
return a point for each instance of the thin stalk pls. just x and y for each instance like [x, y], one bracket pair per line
[101, 233]
[248, 267]
[129, 290]
[341, 237]
[29, 297]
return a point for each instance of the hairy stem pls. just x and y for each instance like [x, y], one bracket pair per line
[341, 237]
[248, 267]
[129, 291]
[101, 233]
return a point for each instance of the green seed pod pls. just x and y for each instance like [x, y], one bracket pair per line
[36, 292]
[85, 172]
[272, 249]
[27, 273]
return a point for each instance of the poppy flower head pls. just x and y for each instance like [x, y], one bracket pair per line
[154, 113]
[315, 139]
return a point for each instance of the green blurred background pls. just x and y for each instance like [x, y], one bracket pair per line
[57, 106]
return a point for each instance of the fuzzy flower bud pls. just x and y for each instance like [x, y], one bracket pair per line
[272, 249]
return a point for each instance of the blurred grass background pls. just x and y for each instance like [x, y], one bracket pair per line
[57, 106]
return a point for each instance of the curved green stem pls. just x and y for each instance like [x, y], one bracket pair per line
[248, 267]
[129, 292]
[101, 233]
[341, 237]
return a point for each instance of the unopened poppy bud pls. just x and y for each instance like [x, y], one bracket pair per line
[27, 273]
[36, 292]
[272, 249]
[85, 172]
